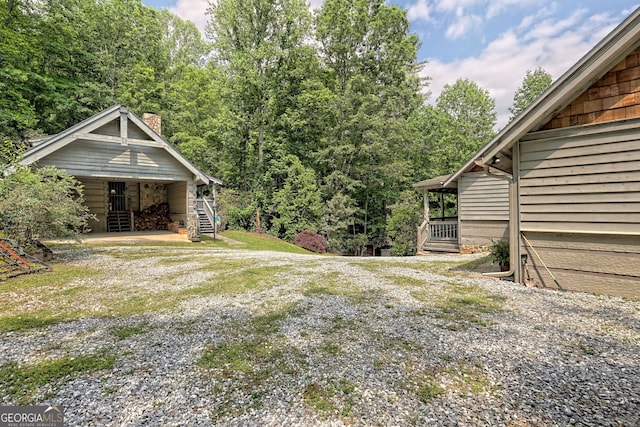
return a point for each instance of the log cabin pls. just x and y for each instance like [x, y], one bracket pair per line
[125, 167]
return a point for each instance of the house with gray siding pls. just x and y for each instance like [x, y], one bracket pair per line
[481, 206]
[125, 167]
[573, 163]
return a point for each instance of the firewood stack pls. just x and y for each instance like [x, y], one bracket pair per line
[155, 217]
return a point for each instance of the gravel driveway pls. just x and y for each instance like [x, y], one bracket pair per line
[336, 341]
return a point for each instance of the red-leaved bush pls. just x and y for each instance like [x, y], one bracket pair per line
[311, 241]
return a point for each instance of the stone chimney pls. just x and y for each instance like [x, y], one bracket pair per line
[154, 121]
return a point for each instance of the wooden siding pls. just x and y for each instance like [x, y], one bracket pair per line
[177, 197]
[582, 181]
[483, 198]
[96, 199]
[113, 129]
[615, 96]
[605, 264]
[113, 160]
[481, 233]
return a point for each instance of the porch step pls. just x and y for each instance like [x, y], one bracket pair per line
[450, 247]
[204, 223]
[118, 221]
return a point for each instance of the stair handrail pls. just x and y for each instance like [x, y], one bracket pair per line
[208, 210]
[423, 233]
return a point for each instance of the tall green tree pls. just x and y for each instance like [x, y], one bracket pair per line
[534, 83]
[371, 56]
[253, 42]
[467, 122]
[297, 205]
[45, 72]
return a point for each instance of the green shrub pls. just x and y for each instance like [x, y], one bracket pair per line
[41, 203]
[500, 254]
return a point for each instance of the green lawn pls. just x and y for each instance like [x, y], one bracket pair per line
[262, 242]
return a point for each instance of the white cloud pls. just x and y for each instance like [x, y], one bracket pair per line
[419, 10]
[501, 66]
[451, 5]
[530, 20]
[497, 6]
[192, 10]
[462, 25]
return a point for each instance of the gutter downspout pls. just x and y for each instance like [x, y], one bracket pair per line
[513, 233]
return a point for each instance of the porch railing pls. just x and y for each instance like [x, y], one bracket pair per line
[443, 230]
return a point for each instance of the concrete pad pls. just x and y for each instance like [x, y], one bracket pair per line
[130, 237]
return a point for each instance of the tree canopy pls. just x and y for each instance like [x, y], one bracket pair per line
[316, 121]
[534, 83]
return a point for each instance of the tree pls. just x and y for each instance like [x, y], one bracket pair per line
[298, 204]
[183, 41]
[405, 217]
[466, 124]
[253, 42]
[40, 204]
[534, 83]
[370, 56]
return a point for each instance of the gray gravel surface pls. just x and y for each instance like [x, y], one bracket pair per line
[333, 341]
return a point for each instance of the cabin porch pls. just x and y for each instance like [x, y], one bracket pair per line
[127, 205]
[439, 229]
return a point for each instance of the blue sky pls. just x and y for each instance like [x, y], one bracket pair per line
[493, 42]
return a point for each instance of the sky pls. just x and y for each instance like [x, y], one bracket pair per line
[492, 42]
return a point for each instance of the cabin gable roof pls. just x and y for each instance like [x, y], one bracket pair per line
[131, 130]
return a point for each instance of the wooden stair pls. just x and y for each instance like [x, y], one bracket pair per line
[441, 246]
[203, 222]
[118, 221]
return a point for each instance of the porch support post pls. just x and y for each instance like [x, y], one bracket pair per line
[442, 204]
[425, 194]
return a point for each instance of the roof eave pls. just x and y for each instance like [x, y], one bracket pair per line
[592, 66]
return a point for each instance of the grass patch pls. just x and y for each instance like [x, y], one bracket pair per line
[473, 265]
[40, 319]
[334, 284]
[124, 332]
[21, 383]
[41, 300]
[318, 397]
[37, 299]
[467, 380]
[230, 279]
[331, 348]
[338, 324]
[406, 281]
[60, 276]
[252, 360]
[463, 306]
[262, 242]
[428, 390]
[336, 396]
[437, 267]
[460, 378]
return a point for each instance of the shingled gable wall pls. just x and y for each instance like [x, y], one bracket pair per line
[615, 96]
